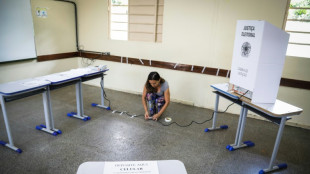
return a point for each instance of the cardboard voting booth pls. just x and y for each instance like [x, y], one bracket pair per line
[258, 59]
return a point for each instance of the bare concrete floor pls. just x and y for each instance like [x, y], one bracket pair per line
[114, 137]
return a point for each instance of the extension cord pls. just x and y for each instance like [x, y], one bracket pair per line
[168, 119]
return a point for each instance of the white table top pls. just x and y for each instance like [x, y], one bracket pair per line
[277, 109]
[26, 85]
[60, 77]
[73, 74]
[90, 70]
[223, 88]
[21, 86]
[164, 167]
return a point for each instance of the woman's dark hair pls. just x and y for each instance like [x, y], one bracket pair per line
[153, 76]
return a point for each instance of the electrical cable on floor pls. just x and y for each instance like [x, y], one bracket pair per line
[105, 95]
[195, 121]
[141, 115]
[163, 124]
[205, 120]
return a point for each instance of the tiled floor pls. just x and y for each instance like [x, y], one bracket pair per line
[114, 137]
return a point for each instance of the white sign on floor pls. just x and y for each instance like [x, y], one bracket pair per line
[131, 167]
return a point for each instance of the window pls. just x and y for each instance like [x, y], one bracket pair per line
[136, 20]
[298, 25]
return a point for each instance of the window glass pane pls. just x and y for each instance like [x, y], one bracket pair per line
[119, 2]
[297, 26]
[119, 26]
[300, 3]
[119, 18]
[298, 50]
[119, 35]
[299, 14]
[140, 24]
[298, 20]
[300, 38]
[119, 9]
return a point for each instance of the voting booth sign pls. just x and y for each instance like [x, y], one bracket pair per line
[258, 59]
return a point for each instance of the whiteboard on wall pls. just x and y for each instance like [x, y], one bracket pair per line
[16, 31]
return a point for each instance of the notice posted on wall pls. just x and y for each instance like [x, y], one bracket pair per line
[41, 12]
[131, 167]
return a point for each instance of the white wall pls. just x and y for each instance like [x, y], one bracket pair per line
[29, 69]
[198, 32]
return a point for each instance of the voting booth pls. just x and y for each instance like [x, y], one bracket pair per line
[258, 60]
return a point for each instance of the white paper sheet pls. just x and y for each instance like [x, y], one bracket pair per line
[131, 167]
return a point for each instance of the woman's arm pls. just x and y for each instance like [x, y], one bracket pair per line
[146, 115]
[167, 101]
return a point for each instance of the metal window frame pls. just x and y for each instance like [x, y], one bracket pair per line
[301, 20]
[128, 14]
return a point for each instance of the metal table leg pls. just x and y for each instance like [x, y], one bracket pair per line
[102, 96]
[239, 134]
[48, 115]
[271, 167]
[79, 104]
[217, 99]
[8, 129]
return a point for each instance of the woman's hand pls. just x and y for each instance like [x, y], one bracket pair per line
[146, 115]
[155, 117]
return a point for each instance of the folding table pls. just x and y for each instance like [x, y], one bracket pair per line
[16, 90]
[278, 112]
